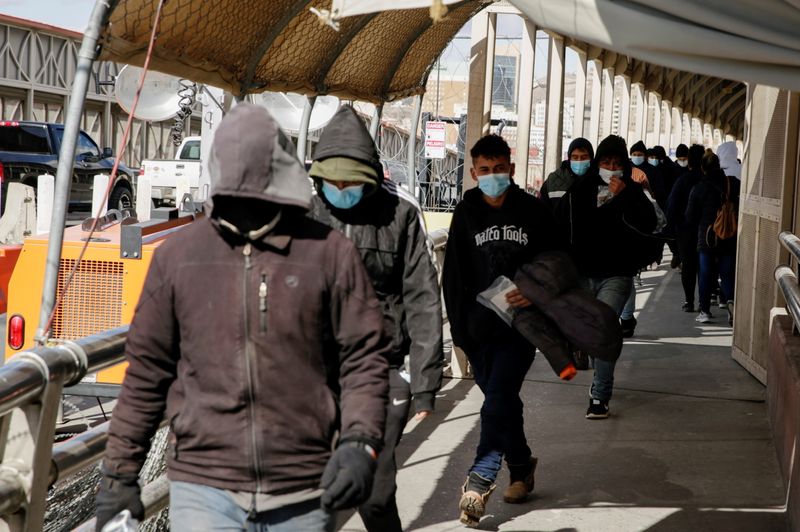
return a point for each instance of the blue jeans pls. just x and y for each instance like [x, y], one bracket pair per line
[614, 292]
[499, 370]
[199, 508]
[630, 304]
[710, 263]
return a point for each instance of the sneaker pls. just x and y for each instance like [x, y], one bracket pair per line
[581, 360]
[474, 496]
[721, 303]
[522, 482]
[687, 307]
[730, 313]
[628, 326]
[704, 317]
[597, 409]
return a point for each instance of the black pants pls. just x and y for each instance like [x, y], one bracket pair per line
[687, 245]
[379, 513]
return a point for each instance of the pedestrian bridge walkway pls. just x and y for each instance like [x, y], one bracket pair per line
[687, 448]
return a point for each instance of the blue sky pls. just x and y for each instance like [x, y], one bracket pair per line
[70, 14]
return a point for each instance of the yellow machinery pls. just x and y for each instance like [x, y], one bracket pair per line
[103, 293]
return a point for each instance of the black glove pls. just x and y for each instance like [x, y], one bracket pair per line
[117, 492]
[347, 479]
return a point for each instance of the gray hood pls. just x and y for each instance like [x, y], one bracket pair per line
[728, 153]
[252, 158]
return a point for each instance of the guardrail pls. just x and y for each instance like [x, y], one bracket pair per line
[787, 278]
[30, 395]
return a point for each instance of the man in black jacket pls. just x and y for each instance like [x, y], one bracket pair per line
[496, 228]
[259, 338]
[386, 226]
[677, 225]
[609, 220]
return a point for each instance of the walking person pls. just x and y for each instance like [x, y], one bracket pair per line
[579, 156]
[678, 225]
[259, 338]
[496, 228]
[386, 226]
[609, 218]
[717, 254]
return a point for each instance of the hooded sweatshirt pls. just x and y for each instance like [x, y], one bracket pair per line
[258, 351]
[728, 155]
[387, 228]
[612, 238]
[558, 182]
[484, 243]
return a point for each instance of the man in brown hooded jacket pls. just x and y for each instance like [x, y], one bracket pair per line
[258, 335]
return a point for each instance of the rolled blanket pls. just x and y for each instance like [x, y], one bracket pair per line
[550, 274]
[540, 331]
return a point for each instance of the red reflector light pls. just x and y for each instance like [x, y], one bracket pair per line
[8, 123]
[16, 331]
[2, 173]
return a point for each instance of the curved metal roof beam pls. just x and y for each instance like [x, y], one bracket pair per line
[266, 43]
[398, 59]
[336, 52]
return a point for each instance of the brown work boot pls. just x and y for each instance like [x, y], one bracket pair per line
[522, 482]
[474, 496]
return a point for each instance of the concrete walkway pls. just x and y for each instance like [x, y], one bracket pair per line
[687, 448]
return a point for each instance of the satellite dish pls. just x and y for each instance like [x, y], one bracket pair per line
[287, 109]
[159, 99]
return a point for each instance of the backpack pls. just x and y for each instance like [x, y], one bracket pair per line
[725, 224]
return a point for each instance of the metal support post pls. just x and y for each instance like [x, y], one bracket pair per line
[412, 146]
[666, 135]
[596, 102]
[27, 112]
[66, 158]
[654, 136]
[608, 101]
[625, 108]
[302, 136]
[554, 117]
[579, 108]
[641, 113]
[479, 96]
[525, 104]
[375, 123]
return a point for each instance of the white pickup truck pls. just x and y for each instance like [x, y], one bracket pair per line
[168, 176]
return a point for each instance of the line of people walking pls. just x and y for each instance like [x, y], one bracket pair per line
[286, 336]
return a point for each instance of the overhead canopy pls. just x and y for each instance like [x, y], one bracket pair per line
[755, 41]
[256, 45]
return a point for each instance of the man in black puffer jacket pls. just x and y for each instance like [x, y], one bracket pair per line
[386, 226]
[609, 221]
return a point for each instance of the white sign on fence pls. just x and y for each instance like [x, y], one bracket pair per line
[435, 140]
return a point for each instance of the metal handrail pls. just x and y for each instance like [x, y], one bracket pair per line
[787, 282]
[791, 242]
[26, 374]
[438, 238]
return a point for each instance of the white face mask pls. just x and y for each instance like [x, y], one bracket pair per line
[606, 175]
[682, 163]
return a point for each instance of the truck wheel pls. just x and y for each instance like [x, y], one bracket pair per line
[121, 198]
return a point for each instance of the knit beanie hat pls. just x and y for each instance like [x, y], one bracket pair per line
[612, 145]
[580, 143]
[682, 150]
[639, 146]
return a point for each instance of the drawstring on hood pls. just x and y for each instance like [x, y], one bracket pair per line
[253, 163]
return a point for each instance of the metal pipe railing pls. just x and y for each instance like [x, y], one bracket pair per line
[791, 242]
[787, 282]
[438, 238]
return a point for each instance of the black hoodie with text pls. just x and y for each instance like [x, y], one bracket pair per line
[484, 243]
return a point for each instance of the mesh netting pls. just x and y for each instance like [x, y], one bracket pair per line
[281, 45]
[71, 501]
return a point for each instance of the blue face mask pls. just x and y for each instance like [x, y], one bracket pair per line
[579, 167]
[654, 162]
[345, 198]
[637, 160]
[493, 185]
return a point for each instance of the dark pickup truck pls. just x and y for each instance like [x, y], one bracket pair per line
[30, 149]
